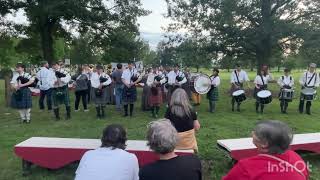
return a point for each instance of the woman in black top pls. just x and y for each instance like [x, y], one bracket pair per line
[184, 119]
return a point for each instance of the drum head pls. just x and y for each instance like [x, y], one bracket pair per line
[309, 91]
[264, 94]
[238, 93]
[202, 84]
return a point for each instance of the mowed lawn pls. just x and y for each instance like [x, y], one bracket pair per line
[221, 125]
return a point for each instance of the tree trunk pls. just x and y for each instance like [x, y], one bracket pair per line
[47, 41]
[264, 46]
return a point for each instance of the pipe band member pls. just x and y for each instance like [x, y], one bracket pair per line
[285, 82]
[99, 82]
[176, 79]
[154, 81]
[60, 91]
[213, 94]
[130, 78]
[238, 78]
[21, 98]
[309, 79]
[261, 83]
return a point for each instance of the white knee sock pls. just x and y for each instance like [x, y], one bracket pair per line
[22, 114]
[28, 114]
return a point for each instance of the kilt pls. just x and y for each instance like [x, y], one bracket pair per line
[145, 106]
[213, 94]
[21, 99]
[100, 100]
[155, 99]
[60, 95]
[129, 95]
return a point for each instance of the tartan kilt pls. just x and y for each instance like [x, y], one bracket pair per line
[129, 95]
[155, 99]
[100, 100]
[22, 99]
[64, 98]
[213, 94]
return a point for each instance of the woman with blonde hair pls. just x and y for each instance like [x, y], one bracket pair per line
[184, 119]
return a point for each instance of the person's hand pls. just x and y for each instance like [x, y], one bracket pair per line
[196, 125]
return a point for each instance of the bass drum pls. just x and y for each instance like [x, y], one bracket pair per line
[200, 83]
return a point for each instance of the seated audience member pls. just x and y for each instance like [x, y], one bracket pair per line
[162, 139]
[184, 119]
[110, 161]
[275, 161]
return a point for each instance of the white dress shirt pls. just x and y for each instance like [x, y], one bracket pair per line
[95, 80]
[286, 81]
[108, 164]
[127, 74]
[173, 75]
[242, 76]
[305, 78]
[46, 78]
[215, 81]
[266, 79]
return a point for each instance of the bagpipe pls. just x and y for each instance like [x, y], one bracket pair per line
[26, 78]
[98, 91]
[61, 74]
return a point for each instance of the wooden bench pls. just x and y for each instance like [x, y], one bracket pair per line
[55, 153]
[243, 148]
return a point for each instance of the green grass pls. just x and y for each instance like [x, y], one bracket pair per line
[221, 125]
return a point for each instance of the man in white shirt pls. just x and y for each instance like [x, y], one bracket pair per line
[238, 78]
[130, 78]
[308, 80]
[176, 79]
[286, 83]
[110, 161]
[46, 79]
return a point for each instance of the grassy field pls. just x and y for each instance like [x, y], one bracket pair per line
[221, 125]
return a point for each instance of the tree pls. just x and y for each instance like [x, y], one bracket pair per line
[83, 51]
[243, 27]
[52, 19]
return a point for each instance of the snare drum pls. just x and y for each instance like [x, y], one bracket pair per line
[309, 94]
[200, 83]
[239, 96]
[265, 97]
[286, 94]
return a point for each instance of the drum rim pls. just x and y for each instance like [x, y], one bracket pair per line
[263, 92]
[194, 83]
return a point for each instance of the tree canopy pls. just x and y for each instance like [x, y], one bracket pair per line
[254, 28]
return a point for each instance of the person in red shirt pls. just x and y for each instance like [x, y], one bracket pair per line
[275, 161]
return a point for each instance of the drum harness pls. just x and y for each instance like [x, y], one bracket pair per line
[306, 84]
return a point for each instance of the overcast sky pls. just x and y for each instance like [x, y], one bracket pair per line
[150, 26]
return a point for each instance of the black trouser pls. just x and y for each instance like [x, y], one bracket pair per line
[43, 94]
[284, 105]
[89, 92]
[233, 101]
[301, 105]
[81, 95]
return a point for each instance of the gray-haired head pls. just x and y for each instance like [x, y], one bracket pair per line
[162, 136]
[276, 134]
